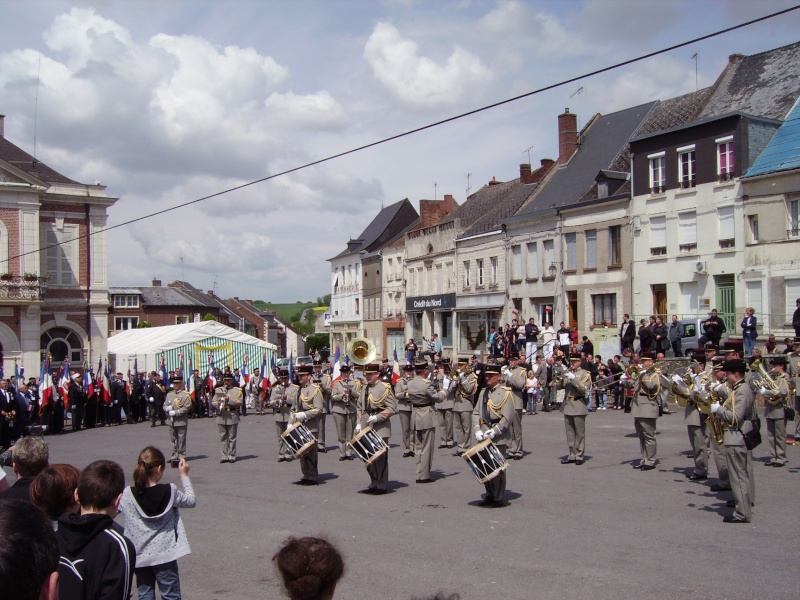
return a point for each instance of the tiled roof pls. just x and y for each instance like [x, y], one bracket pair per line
[764, 84]
[782, 153]
[166, 296]
[673, 112]
[20, 159]
[485, 209]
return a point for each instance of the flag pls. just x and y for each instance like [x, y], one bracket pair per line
[337, 374]
[88, 384]
[103, 383]
[211, 379]
[291, 367]
[273, 372]
[63, 383]
[45, 386]
[244, 376]
[180, 365]
[164, 373]
[395, 368]
[190, 387]
[265, 375]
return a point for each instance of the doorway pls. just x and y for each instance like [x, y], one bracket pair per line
[659, 299]
[572, 307]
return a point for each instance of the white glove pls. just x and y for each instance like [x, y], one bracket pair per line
[115, 401]
[715, 407]
[490, 433]
[460, 375]
[698, 388]
[150, 399]
[719, 387]
[446, 383]
[301, 416]
[762, 390]
[570, 375]
[479, 435]
[73, 407]
[372, 419]
[504, 370]
[358, 427]
[172, 413]
[624, 377]
[677, 379]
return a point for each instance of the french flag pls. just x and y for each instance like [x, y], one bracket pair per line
[105, 384]
[45, 385]
[190, 387]
[63, 383]
[244, 376]
[88, 386]
[211, 378]
[337, 374]
[395, 368]
[265, 375]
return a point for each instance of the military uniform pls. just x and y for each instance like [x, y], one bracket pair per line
[465, 388]
[157, 396]
[376, 404]
[775, 416]
[423, 398]
[283, 399]
[494, 411]
[311, 404]
[404, 411]
[227, 400]
[644, 408]
[324, 382]
[516, 379]
[695, 422]
[177, 406]
[793, 370]
[444, 410]
[344, 395]
[575, 410]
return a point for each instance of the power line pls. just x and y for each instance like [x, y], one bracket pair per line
[422, 128]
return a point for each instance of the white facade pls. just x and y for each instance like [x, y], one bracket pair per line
[346, 299]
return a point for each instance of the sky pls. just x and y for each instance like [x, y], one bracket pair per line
[167, 101]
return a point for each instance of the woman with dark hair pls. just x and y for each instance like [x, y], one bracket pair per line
[53, 491]
[310, 567]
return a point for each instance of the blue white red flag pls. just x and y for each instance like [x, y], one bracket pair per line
[63, 383]
[164, 372]
[211, 378]
[45, 386]
[244, 376]
[337, 374]
[395, 368]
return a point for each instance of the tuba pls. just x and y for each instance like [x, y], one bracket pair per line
[361, 351]
[766, 380]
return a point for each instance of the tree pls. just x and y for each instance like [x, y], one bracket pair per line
[209, 317]
[324, 300]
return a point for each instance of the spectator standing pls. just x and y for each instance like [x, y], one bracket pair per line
[411, 351]
[587, 347]
[25, 404]
[660, 335]
[796, 318]
[573, 336]
[491, 344]
[548, 339]
[645, 337]
[532, 391]
[531, 341]
[616, 369]
[563, 339]
[627, 333]
[749, 333]
[675, 335]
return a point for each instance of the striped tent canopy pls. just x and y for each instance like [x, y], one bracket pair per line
[196, 341]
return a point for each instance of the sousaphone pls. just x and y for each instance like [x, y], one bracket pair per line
[361, 351]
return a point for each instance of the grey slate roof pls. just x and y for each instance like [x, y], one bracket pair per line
[601, 144]
[764, 84]
[782, 153]
[165, 296]
[390, 221]
[673, 112]
[20, 159]
[485, 209]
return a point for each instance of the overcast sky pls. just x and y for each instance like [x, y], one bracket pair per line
[165, 101]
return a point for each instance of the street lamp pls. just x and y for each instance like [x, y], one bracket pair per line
[552, 269]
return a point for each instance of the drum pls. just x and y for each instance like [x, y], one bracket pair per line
[485, 460]
[299, 439]
[368, 446]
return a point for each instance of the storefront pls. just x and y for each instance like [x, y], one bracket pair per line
[426, 315]
[477, 314]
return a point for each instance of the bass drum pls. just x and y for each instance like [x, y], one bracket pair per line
[485, 460]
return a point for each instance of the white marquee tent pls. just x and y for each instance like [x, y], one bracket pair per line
[197, 343]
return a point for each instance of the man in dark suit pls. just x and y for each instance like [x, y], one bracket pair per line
[627, 333]
[7, 413]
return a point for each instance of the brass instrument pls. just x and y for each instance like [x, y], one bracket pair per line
[361, 351]
[766, 381]
[715, 425]
[633, 371]
[687, 377]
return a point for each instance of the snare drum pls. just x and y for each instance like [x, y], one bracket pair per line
[299, 439]
[485, 460]
[368, 446]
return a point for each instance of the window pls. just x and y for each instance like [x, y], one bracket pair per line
[591, 248]
[439, 280]
[657, 174]
[752, 220]
[451, 276]
[604, 307]
[792, 292]
[60, 255]
[126, 301]
[467, 274]
[615, 246]
[516, 263]
[658, 236]
[687, 232]
[479, 265]
[794, 218]
[725, 158]
[549, 254]
[686, 167]
[357, 306]
[181, 319]
[727, 229]
[493, 266]
[532, 263]
[123, 323]
[389, 270]
[572, 250]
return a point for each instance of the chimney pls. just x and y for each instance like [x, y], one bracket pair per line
[734, 58]
[537, 175]
[432, 212]
[156, 283]
[448, 203]
[494, 181]
[567, 136]
[525, 173]
[2, 126]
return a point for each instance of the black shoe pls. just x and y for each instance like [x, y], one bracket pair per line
[457, 453]
[231, 460]
[442, 446]
[566, 461]
[223, 460]
[579, 461]
[407, 454]
[299, 482]
[282, 459]
[351, 457]
[429, 480]
[732, 519]
[341, 458]
[778, 464]
[719, 488]
[323, 450]
[311, 482]
[367, 491]
[647, 467]
[696, 477]
[517, 457]
[637, 466]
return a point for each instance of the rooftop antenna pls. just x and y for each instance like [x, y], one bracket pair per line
[694, 58]
[215, 285]
[469, 187]
[435, 188]
[183, 277]
[578, 92]
[528, 150]
[36, 104]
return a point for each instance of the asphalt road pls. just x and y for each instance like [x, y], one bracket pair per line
[599, 531]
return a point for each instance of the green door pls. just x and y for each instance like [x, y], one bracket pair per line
[726, 300]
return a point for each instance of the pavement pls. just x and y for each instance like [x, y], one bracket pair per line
[602, 530]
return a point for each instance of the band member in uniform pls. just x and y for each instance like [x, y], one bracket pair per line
[575, 383]
[711, 377]
[255, 395]
[444, 410]
[736, 412]
[310, 405]
[645, 411]
[404, 409]
[794, 376]
[177, 406]
[492, 418]
[155, 399]
[423, 395]
[515, 377]
[283, 399]
[345, 394]
[324, 383]
[695, 420]
[776, 398]
[227, 400]
[376, 405]
[465, 387]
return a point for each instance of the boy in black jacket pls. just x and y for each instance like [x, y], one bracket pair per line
[97, 561]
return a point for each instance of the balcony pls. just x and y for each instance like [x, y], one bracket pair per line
[15, 288]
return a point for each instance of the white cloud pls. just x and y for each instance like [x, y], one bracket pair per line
[418, 80]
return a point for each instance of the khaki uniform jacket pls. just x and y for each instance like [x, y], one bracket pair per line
[736, 412]
[181, 403]
[449, 395]
[344, 399]
[400, 393]
[778, 397]
[793, 368]
[483, 419]
[691, 416]
[228, 401]
[465, 388]
[516, 379]
[324, 382]
[311, 401]
[377, 400]
[646, 396]
[423, 398]
[283, 406]
[575, 392]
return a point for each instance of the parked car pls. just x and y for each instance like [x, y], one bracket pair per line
[283, 363]
[692, 331]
